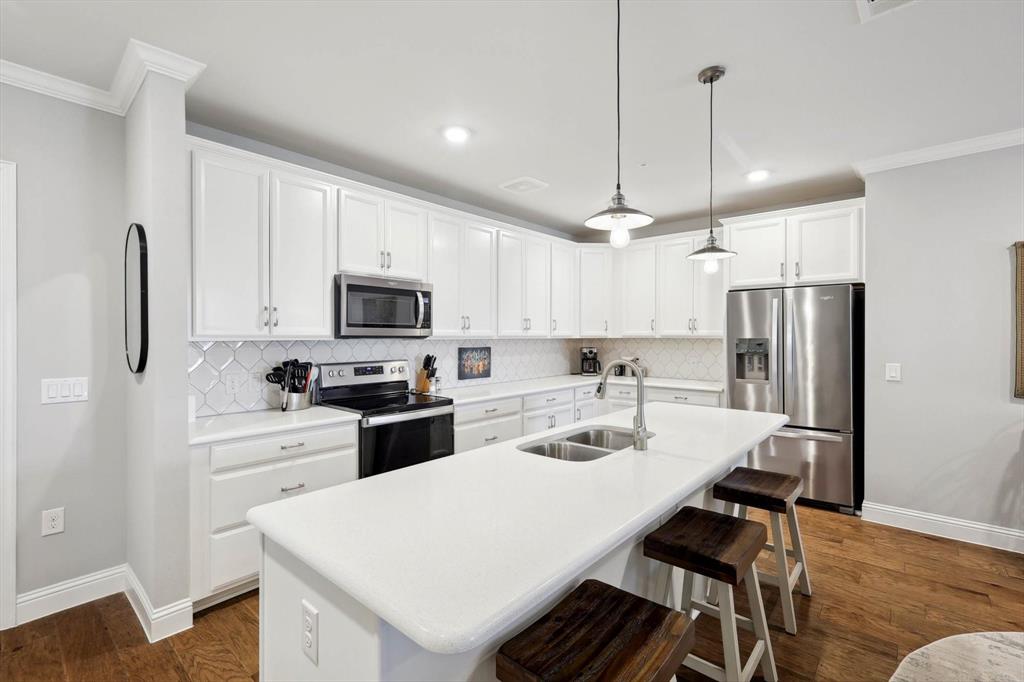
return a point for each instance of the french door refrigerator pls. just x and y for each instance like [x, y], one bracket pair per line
[799, 351]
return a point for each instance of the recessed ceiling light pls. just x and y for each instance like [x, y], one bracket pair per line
[758, 175]
[456, 134]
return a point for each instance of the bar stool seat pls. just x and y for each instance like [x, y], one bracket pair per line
[599, 632]
[775, 493]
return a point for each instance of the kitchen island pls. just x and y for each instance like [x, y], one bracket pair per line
[422, 573]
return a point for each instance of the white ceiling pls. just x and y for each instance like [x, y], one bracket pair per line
[368, 85]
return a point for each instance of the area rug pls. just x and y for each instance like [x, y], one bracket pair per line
[978, 656]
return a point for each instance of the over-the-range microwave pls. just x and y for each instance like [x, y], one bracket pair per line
[381, 306]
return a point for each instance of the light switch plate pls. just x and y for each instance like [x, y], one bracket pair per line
[893, 371]
[69, 390]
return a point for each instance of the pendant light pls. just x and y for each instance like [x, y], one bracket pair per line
[618, 217]
[712, 254]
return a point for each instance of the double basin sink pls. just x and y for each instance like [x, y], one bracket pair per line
[583, 445]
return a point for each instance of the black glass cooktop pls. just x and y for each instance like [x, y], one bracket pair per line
[372, 405]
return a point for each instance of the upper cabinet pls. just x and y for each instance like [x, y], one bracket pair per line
[524, 271]
[595, 290]
[263, 245]
[380, 236]
[637, 298]
[810, 245]
[675, 287]
[564, 290]
[463, 272]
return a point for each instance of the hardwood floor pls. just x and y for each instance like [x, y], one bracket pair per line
[879, 593]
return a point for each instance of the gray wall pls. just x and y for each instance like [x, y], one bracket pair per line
[949, 439]
[70, 233]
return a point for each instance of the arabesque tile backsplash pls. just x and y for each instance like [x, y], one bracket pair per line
[228, 376]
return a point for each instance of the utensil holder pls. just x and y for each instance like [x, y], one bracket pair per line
[291, 402]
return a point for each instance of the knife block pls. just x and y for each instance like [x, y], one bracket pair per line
[422, 382]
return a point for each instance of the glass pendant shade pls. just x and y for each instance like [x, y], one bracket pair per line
[618, 215]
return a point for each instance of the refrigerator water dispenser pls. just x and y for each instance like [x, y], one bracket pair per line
[752, 360]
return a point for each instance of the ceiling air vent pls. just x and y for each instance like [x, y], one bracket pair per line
[523, 185]
[869, 9]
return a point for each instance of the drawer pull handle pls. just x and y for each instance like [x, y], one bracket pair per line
[551, 400]
[292, 447]
[625, 393]
[680, 397]
[297, 486]
[492, 438]
[490, 409]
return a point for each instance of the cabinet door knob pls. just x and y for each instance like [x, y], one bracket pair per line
[798, 269]
[652, 324]
[389, 260]
[782, 269]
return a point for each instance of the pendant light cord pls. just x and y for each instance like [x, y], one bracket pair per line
[711, 157]
[618, 96]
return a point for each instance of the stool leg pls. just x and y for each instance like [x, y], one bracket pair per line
[686, 595]
[730, 639]
[742, 511]
[760, 623]
[798, 550]
[782, 568]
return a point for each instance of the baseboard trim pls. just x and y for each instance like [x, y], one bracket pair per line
[158, 623]
[69, 593]
[945, 526]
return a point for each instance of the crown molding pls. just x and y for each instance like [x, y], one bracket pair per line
[139, 59]
[974, 145]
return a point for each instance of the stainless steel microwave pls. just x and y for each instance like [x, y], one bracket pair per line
[381, 306]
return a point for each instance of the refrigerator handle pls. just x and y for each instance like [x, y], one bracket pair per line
[807, 435]
[773, 340]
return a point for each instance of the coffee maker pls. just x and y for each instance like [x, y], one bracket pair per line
[589, 364]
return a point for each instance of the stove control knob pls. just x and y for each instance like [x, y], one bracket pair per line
[394, 369]
[401, 370]
[341, 372]
[331, 373]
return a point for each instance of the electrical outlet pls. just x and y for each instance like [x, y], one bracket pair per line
[310, 632]
[53, 521]
[235, 382]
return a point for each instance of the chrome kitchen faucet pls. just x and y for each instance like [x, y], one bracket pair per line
[640, 432]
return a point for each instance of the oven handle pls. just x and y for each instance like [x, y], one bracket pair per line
[406, 416]
[420, 309]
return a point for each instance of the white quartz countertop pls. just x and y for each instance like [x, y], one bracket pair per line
[512, 389]
[262, 423]
[454, 551]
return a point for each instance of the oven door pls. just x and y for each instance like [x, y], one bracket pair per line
[377, 306]
[395, 441]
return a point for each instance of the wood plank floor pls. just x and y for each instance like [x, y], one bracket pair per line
[879, 593]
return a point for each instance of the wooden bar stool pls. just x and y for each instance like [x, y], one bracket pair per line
[776, 494]
[722, 548]
[599, 632]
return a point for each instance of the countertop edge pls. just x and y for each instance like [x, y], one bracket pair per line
[339, 417]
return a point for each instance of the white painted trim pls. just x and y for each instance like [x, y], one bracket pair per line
[945, 526]
[158, 623]
[68, 593]
[939, 152]
[139, 59]
[856, 202]
[8, 392]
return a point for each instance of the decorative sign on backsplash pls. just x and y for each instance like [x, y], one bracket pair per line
[475, 363]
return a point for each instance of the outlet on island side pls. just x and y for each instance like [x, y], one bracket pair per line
[310, 632]
[53, 521]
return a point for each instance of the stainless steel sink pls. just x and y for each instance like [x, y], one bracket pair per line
[570, 452]
[582, 445]
[608, 438]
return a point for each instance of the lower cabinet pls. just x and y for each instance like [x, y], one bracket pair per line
[665, 395]
[586, 410]
[542, 420]
[478, 434]
[229, 478]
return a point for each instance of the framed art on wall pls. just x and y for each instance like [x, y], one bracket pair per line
[475, 363]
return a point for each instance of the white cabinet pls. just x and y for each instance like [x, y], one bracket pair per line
[379, 236]
[487, 423]
[825, 246]
[760, 247]
[691, 302]
[361, 232]
[463, 274]
[230, 263]
[812, 245]
[564, 290]
[302, 233]
[262, 249]
[637, 291]
[683, 397]
[542, 411]
[524, 268]
[405, 252]
[586, 410]
[595, 291]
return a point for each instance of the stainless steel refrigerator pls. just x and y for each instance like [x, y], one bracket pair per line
[799, 351]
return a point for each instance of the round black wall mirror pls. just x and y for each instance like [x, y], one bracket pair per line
[136, 298]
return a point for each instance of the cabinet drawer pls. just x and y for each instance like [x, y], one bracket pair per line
[286, 445]
[586, 393]
[620, 392]
[472, 436]
[493, 410]
[543, 401]
[234, 555]
[664, 395]
[233, 493]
